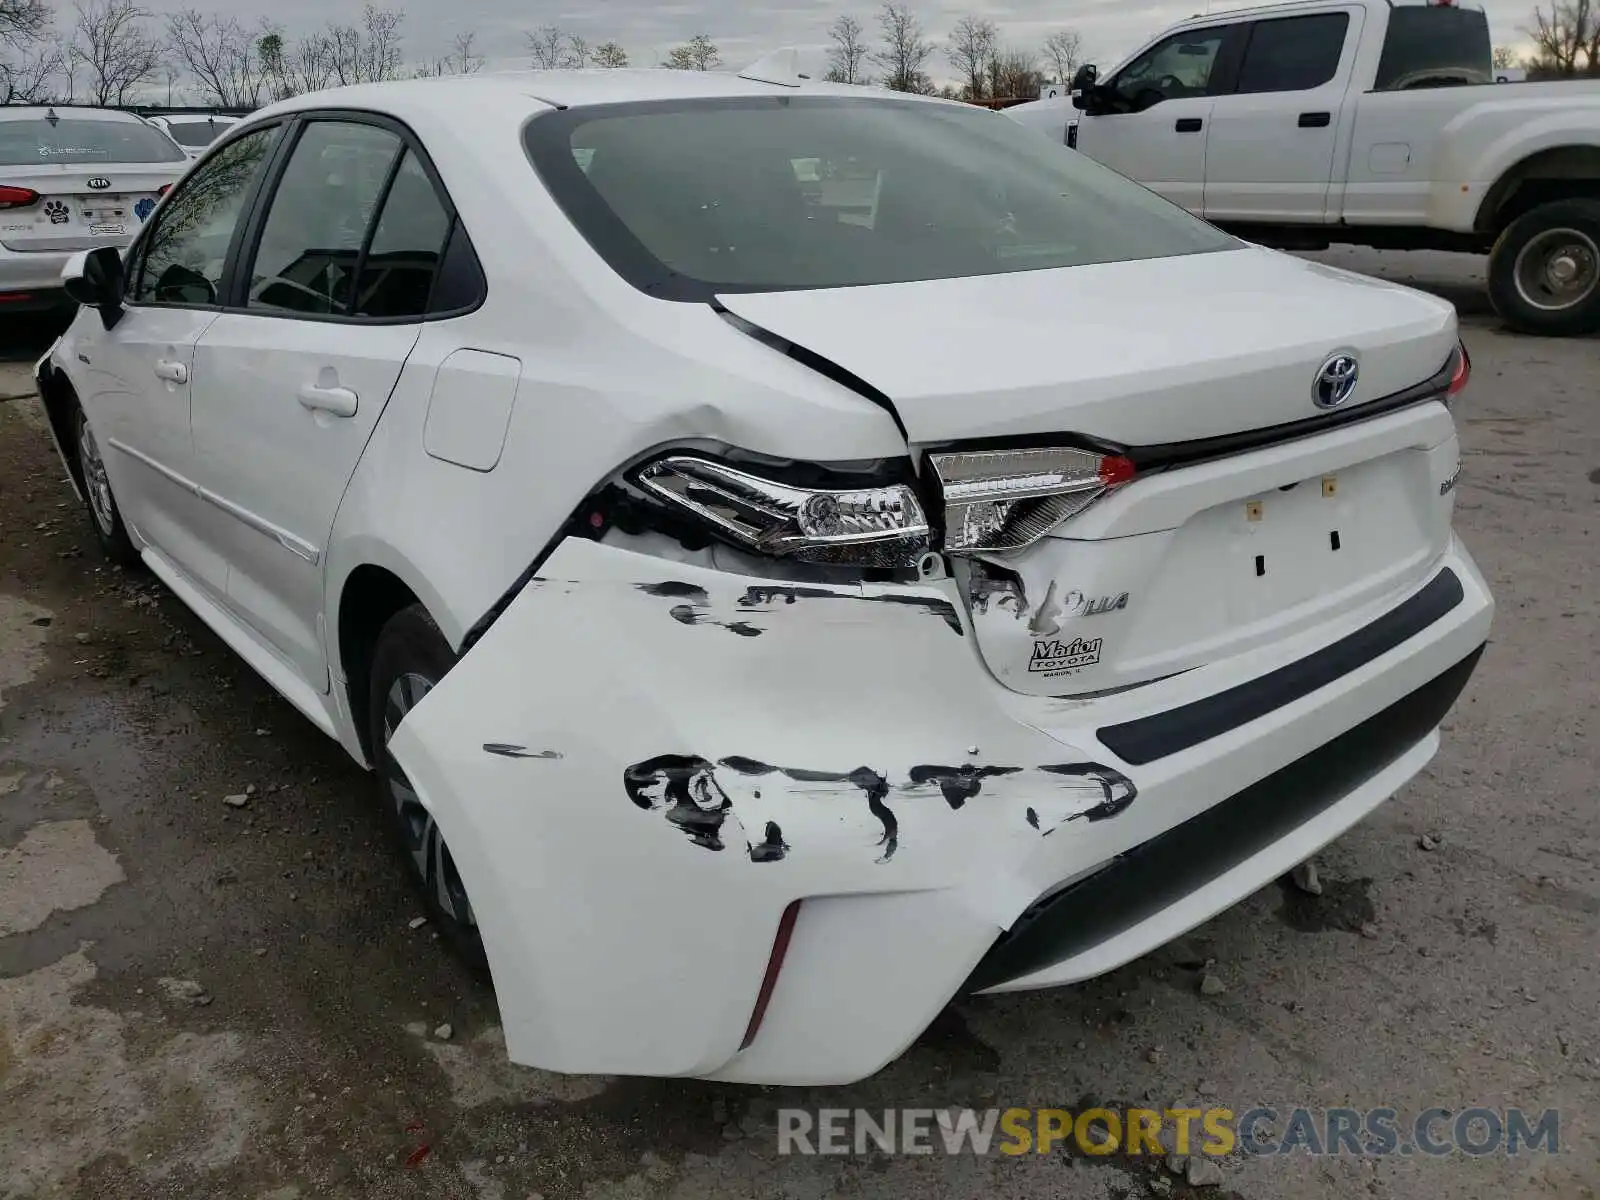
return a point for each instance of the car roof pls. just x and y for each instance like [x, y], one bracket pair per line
[193, 118]
[464, 94]
[37, 112]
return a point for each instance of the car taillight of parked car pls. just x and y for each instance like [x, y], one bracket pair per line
[16, 197]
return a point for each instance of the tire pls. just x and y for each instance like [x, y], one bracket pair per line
[105, 518]
[1528, 262]
[410, 658]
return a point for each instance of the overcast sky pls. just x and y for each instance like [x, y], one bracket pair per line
[745, 30]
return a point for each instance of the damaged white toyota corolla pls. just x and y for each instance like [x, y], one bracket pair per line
[806, 553]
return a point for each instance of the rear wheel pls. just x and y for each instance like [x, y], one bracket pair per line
[1544, 272]
[411, 657]
[104, 514]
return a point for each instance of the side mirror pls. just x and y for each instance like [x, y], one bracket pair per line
[93, 278]
[1085, 85]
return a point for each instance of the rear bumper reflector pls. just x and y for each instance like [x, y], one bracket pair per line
[769, 981]
[1161, 872]
[1148, 738]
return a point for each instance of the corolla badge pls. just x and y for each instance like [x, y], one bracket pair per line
[99, 183]
[1336, 381]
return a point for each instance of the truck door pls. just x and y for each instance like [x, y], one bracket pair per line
[1271, 151]
[1161, 112]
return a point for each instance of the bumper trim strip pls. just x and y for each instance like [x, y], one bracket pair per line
[1161, 872]
[1147, 739]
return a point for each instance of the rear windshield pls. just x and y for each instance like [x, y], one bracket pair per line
[38, 141]
[1434, 46]
[686, 200]
[194, 133]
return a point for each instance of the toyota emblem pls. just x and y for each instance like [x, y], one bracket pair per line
[100, 183]
[1336, 381]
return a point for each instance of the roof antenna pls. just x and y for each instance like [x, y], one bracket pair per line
[781, 67]
[50, 115]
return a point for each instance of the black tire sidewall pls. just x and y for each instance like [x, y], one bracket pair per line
[116, 545]
[411, 643]
[1583, 318]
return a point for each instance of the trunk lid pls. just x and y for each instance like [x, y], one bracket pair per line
[82, 206]
[1247, 554]
[1148, 352]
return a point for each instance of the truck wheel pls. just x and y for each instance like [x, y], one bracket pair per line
[1544, 271]
[410, 658]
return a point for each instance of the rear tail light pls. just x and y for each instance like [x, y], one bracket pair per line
[1462, 372]
[1008, 499]
[16, 197]
[15, 297]
[880, 526]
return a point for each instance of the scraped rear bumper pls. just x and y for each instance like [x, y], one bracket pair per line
[643, 764]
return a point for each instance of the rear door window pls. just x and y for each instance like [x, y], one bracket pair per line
[324, 205]
[1434, 46]
[1293, 54]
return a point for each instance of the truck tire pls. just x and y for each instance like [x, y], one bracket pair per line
[1544, 271]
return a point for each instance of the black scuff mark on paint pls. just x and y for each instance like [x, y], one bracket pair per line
[942, 609]
[873, 785]
[742, 628]
[508, 750]
[772, 847]
[958, 784]
[675, 589]
[694, 613]
[685, 614]
[1047, 621]
[764, 597]
[1033, 818]
[685, 787]
[1120, 791]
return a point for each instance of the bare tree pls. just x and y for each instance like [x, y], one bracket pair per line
[905, 51]
[222, 56]
[1013, 74]
[1502, 57]
[848, 54]
[1063, 51]
[306, 68]
[971, 46]
[112, 39]
[30, 61]
[578, 51]
[1565, 38]
[463, 59]
[699, 53]
[365, 53]
[547, 47]
[610, 55]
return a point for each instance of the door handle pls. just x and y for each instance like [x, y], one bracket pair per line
[1315, 120]
[1188, 125]
[172, 372]
[339, 401]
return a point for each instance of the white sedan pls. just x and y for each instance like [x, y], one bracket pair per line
[72, 179]
[789, 553]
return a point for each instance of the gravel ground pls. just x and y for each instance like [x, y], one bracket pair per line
[202, 1000]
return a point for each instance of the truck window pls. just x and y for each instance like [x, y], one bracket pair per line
[1293, 54]
[1172, 69]
[1434, 46]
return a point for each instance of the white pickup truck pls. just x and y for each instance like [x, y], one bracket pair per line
[1363, 122]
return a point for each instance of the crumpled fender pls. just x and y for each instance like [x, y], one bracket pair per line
[643, 762]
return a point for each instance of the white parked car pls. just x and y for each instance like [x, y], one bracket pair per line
[193, 131]
[1361, 122]
[766, 620]
[72, 179]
